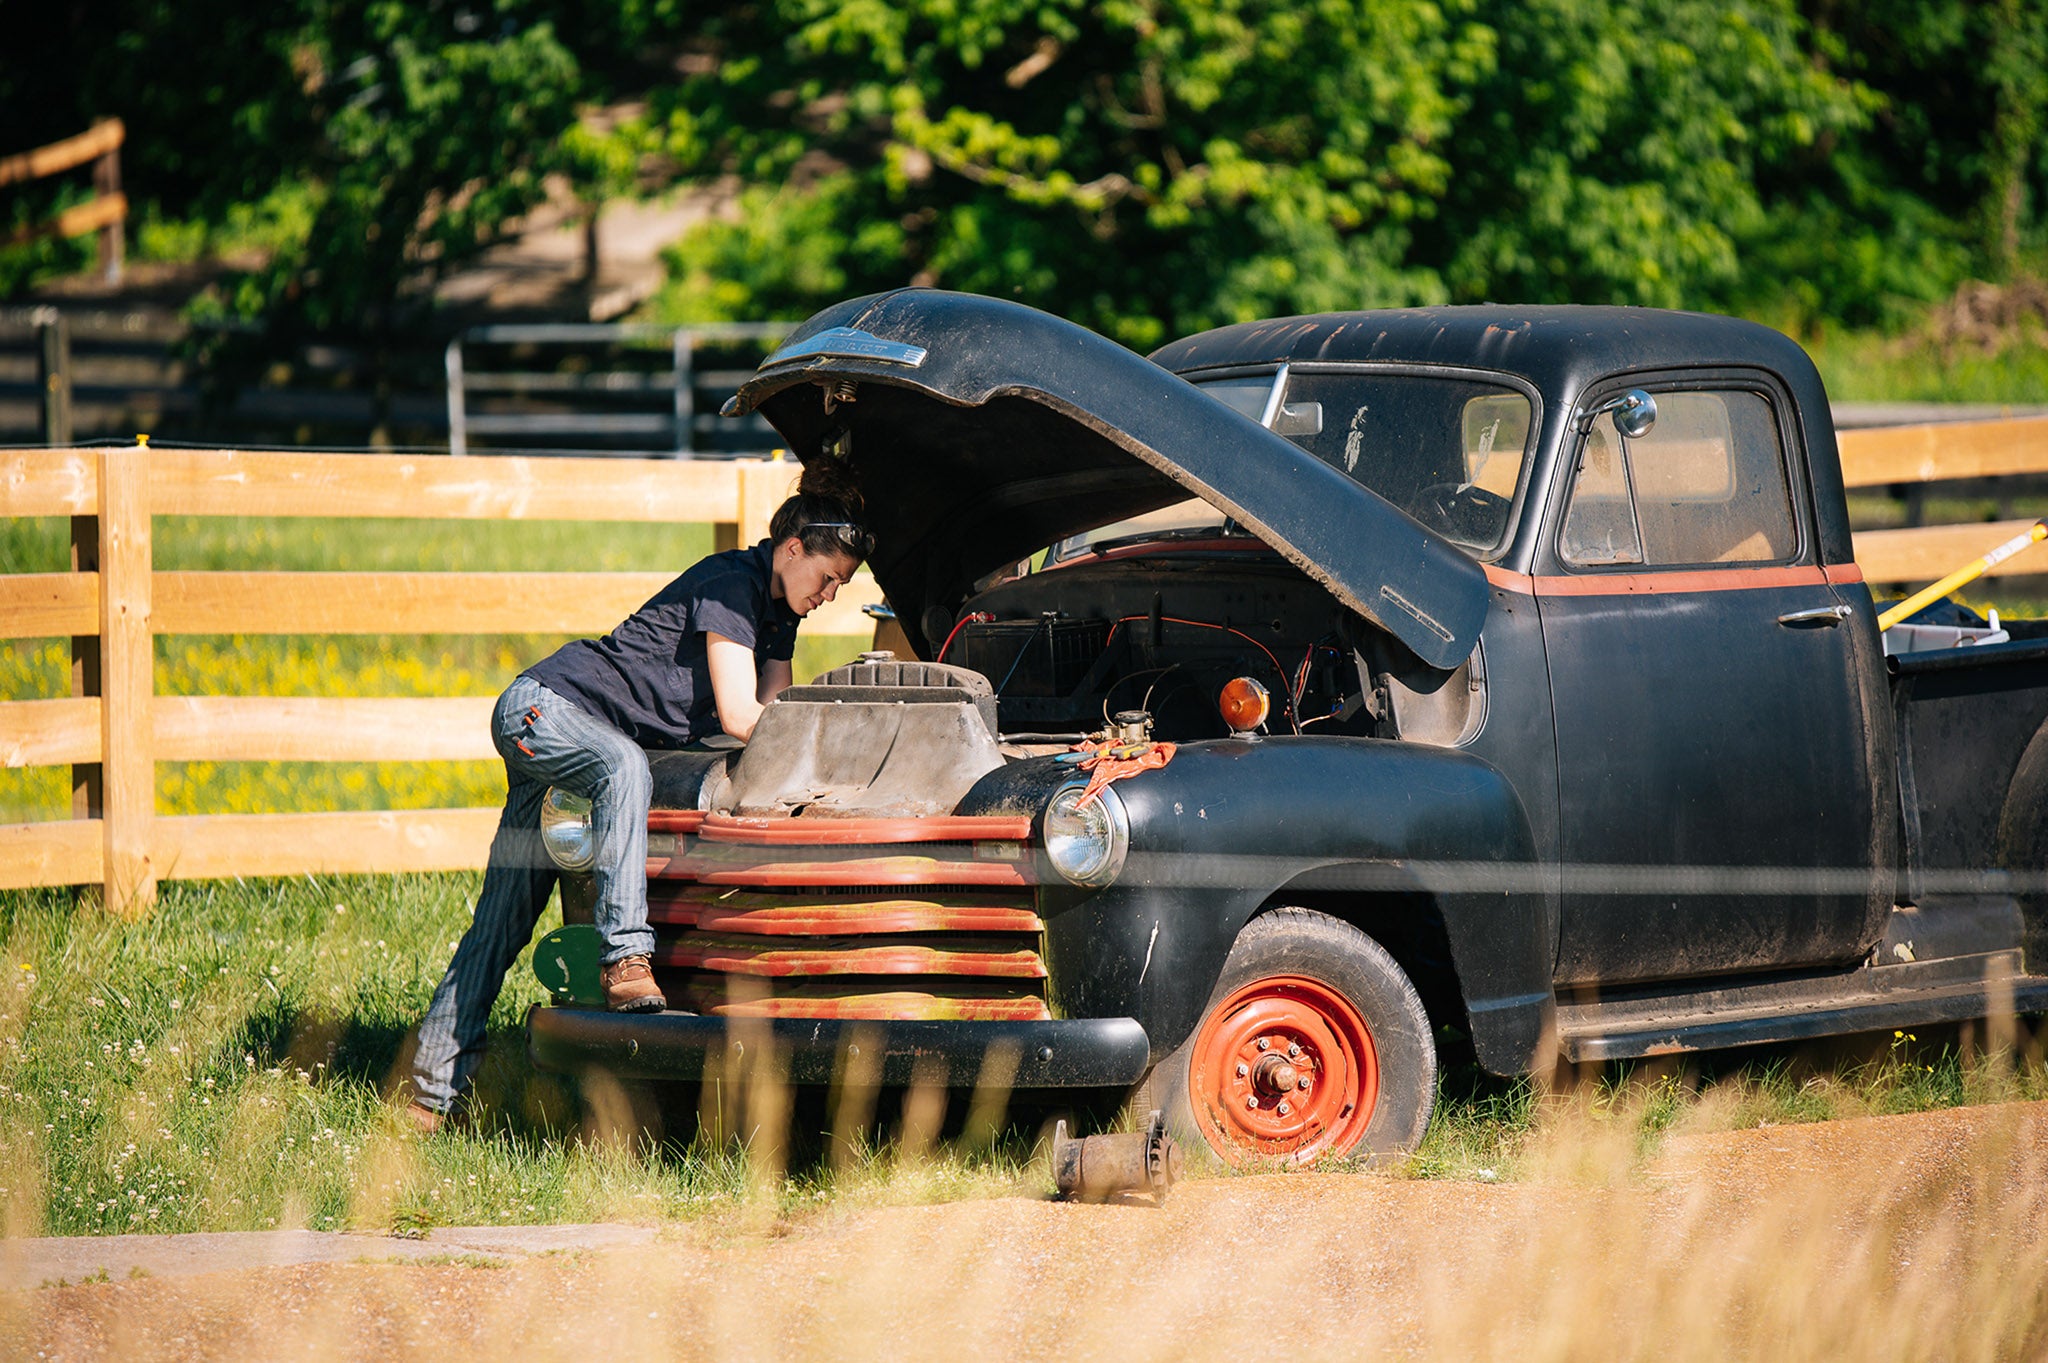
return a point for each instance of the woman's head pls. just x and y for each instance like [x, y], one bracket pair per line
[819, 536]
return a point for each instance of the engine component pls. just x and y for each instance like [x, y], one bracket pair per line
[872, 739]
[1045, 658]
[1099, 1168]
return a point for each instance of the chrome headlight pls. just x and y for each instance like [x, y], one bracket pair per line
[565, 830]
[1087, 843]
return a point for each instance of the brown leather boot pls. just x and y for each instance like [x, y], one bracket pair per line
[629, 987]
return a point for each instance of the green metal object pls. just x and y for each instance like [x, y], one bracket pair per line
[566, 962]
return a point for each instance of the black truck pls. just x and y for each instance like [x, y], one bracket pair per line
[1489, 677]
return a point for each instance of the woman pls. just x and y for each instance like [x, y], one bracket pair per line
[705, 656]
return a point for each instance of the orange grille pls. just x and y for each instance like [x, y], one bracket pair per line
[846, 918]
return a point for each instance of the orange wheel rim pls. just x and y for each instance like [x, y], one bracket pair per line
[1285, 1068]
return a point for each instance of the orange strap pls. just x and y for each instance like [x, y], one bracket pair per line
[1114, 761]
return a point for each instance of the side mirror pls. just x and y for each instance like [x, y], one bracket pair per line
[1635, 412]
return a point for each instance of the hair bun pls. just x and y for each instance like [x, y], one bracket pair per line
[829, 476]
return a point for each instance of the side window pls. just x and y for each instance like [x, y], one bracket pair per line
[1600, 526]
[1705, 485]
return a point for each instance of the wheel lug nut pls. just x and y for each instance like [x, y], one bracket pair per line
[1265, 1045]
[1302, 1083]
[1284, 1109]
[1243, 1069]
[1251, 1100]
[1294, 1048]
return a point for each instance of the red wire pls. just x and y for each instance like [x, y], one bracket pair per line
[972, 617]
[1293, 718]
[1293, 701]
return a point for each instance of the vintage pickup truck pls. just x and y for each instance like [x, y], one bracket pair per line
[1489, 677]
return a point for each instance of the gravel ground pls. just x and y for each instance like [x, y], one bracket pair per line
[1894, 1237]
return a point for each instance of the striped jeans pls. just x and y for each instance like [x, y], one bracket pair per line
[545, 741]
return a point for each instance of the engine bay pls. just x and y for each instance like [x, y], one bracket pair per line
[1069, 649]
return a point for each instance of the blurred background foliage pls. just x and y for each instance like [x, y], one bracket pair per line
[1147, 167]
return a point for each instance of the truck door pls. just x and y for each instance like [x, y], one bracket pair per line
[1715, 792]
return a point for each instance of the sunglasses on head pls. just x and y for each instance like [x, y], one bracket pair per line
[858, 540]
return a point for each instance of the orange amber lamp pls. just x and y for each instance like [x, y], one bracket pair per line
[1244, 704]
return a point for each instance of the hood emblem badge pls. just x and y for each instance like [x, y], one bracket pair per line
[846, 343]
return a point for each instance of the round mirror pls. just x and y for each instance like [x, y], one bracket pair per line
[1635, 412]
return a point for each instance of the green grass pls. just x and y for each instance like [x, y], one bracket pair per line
[364, 544]
[226, 1065]
[1876, 367]
[1490, 1129]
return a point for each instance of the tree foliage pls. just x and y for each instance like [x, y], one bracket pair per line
[1145, 166]
[379, 141]
[1153, 168]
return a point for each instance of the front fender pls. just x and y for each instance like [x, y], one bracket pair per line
[1228, 825]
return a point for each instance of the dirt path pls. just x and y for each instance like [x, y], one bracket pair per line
[1898, 1237]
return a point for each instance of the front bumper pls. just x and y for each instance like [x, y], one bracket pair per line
[1049, 1054]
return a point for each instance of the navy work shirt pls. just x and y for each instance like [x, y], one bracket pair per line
[651, 676]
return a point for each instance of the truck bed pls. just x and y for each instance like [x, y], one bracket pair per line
[1969, 724]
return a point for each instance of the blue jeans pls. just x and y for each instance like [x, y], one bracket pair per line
[545, 741]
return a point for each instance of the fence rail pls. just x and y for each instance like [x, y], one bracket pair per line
[114, 729]
[100, 147]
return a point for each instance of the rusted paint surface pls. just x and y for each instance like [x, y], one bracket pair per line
[727, 828]
[854, 956]
[885, 1006]
[773, 916]
[864, 871]
[711, 883]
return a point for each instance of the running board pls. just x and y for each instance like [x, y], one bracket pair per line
[1706, 1017]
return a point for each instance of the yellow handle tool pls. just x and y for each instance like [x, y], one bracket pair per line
[1969, 572]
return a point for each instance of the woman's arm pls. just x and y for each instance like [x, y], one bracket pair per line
[734, 687]
[775, 679]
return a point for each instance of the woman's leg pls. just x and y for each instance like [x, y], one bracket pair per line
[569, 747]
[517, 879]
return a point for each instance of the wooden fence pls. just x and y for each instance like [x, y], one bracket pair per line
[113, 729]
[1888, 456]
[105, 213]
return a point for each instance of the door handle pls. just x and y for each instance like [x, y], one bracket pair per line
[1820, 617]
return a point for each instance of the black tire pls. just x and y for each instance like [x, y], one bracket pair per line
[1289, 968]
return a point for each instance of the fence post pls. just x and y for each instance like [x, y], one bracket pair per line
[53, 375]
[763, 486]
[683, 351]
[127, 663]
[106, 182]
[458, 399]
[726, 534]
[87, 800]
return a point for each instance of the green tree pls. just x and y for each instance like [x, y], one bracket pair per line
[1151, 168]
[1143, 165]
[429, 142]
[375, 144]
[1622, 150]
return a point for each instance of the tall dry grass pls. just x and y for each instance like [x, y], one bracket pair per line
[1893, 1238]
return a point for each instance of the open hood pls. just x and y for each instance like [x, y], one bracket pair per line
[982, 431]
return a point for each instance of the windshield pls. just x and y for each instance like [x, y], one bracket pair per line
[1446, 450]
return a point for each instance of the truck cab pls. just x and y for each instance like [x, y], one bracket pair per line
[1320, 692]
